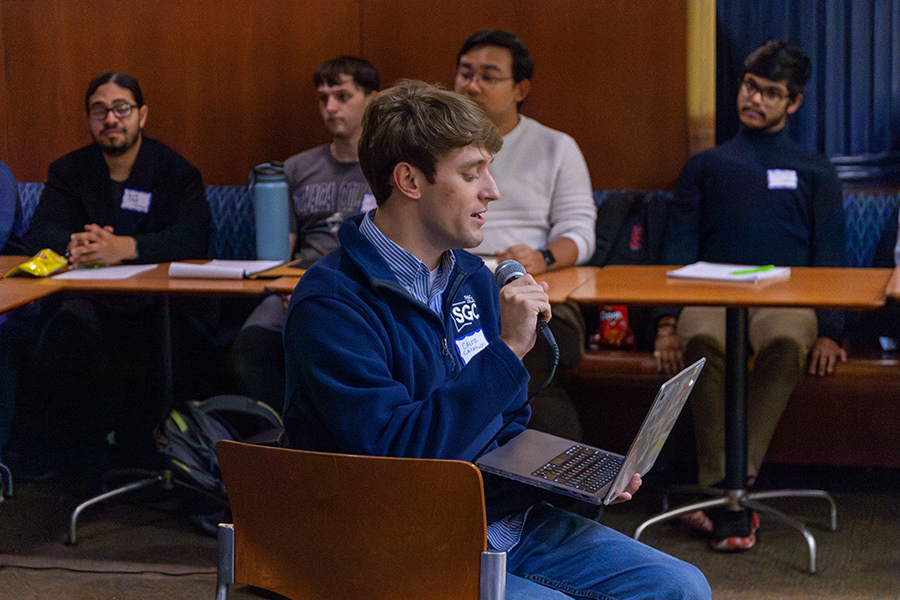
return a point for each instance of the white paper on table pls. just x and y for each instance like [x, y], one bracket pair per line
[221, 269]
[98, 273]
[726, 272]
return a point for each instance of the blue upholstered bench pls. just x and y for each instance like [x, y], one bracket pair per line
[870, 213]
[233, 233]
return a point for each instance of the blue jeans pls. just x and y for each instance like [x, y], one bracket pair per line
[584, 559]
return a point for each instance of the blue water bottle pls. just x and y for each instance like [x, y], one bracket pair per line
[271, 206]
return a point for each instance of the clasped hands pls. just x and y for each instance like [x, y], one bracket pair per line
[98, 246]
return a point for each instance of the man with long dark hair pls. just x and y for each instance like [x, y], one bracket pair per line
[95, 373]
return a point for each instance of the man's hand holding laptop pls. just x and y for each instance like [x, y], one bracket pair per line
[630, 491]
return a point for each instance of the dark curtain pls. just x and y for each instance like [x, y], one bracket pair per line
[851, 108]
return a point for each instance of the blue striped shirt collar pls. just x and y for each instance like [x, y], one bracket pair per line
[411, 272]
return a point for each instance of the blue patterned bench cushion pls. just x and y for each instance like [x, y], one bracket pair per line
[868, 215]
[29, 194]
[234, 235]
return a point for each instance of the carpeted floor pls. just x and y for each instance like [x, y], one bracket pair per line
[146, 546]
[861, 559]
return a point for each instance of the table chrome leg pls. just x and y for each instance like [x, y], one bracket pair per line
[160, 478]
[798, 525]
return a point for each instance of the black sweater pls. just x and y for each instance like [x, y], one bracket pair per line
[175, 225]
[760, 199]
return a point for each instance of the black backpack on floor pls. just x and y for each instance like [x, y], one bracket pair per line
[188, 436]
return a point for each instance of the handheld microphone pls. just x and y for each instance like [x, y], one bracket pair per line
[510, 270]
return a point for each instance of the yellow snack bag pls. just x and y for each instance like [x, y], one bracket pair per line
[41, 264]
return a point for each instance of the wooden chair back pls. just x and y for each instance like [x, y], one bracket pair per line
[320, 526]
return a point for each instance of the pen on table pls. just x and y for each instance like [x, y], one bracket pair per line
[753, 270]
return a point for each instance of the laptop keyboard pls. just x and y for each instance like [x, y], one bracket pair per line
[581, 468]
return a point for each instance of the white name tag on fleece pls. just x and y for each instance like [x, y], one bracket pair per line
[782, 179]
[136, 201]
[471, 345]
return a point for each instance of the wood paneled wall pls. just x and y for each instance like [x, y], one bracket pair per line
[228, 82]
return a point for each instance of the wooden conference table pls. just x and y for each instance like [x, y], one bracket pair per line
[18, 291]
[153, 281]
[893, 285]
[809, 287]
[15, 293]
[561, 282]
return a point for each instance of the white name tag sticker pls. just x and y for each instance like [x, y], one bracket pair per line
[471, 345]
[136, 201]
[782, 179]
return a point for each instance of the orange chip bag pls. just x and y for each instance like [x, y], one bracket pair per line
[614, 330]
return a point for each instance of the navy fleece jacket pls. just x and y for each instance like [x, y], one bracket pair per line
[370, 370]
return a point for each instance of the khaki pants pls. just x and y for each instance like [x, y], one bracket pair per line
[779, 339]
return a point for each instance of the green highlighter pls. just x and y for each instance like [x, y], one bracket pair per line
[753, 270]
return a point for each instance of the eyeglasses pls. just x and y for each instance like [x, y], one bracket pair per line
[769, 95]
[120, 111]
[485, 79]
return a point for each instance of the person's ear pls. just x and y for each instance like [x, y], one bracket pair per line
[406, 180]
[522, 89]
[795, 104]
[142, 116]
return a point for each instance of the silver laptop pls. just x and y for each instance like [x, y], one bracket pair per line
[587, 473]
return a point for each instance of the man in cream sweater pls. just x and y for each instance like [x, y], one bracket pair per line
[547, 216]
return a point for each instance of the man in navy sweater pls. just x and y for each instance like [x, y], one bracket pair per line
[394, 347]
[757, 199]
